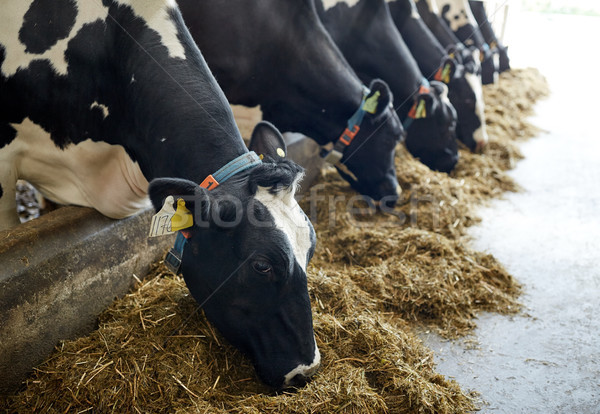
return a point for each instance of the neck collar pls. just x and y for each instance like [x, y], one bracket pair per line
[242, 163]
[333, 154]
[236, 166]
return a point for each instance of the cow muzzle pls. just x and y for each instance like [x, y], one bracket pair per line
[300, 375]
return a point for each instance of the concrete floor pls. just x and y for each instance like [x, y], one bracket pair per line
[546, 360]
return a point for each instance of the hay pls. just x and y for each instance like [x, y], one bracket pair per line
[374, 277]
[145, 357]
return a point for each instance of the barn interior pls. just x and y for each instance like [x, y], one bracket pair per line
[478, 295]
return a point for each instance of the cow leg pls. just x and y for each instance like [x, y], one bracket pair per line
[8, 203]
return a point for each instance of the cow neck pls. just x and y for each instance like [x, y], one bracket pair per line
[426, 49]
[184, 126]
[187, 156]
[334, 151]
[236, 166]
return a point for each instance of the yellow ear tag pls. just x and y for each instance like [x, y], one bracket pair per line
[261, 156]
[182, 219]
[370, 104]
[421, 110]
[280, 152]
[446, 74]
[161, 221]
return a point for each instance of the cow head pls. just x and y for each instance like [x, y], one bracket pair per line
[245, 261]
[504, 61]
[368, 162]
[470, 128]
[431, 137]
[489, 66]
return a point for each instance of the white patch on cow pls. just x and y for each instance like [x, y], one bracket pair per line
[8, 180]
[444, 95]
[91, 174]
[290, 219]
[102, 107]
[458, 8]
[432, 6]
[480, 135]
[154, 12]
[156, 15]
[328, 4]
[414, 13]
[306, 370]
[11, 20]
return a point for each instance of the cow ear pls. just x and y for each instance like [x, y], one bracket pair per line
[267, 141]
[379, 97]
[426, 105]
[196, 198]
[454, 52]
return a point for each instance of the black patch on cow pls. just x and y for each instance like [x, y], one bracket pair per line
[1, 191]
[7, 134]
[45, 23]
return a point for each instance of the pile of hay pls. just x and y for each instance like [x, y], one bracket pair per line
[374, 277]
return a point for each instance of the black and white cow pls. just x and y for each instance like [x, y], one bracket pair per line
[365, 33]
[458, 16]
[464, 88]
[429, 13]
[98, 99]
[278, 55]
[478, 9]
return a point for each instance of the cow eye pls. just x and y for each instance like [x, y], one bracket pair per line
[262, 267]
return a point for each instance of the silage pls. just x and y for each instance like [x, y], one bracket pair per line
[375, 276]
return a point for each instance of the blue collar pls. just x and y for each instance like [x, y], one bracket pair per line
[241, 163]
[334, 155]
[236, 166]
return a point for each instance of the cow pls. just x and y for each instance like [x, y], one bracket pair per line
[98, 99]
[430, 55]
[429, 14]
[365, 33]
[458, 16]
[278, 55]
[478, 9]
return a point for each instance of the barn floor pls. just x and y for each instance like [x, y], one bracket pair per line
[546, 360]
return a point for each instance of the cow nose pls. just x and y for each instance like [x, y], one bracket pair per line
[388, 203]
[388, 194]
[299, 380]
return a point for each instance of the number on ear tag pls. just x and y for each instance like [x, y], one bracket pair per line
[161, 221]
